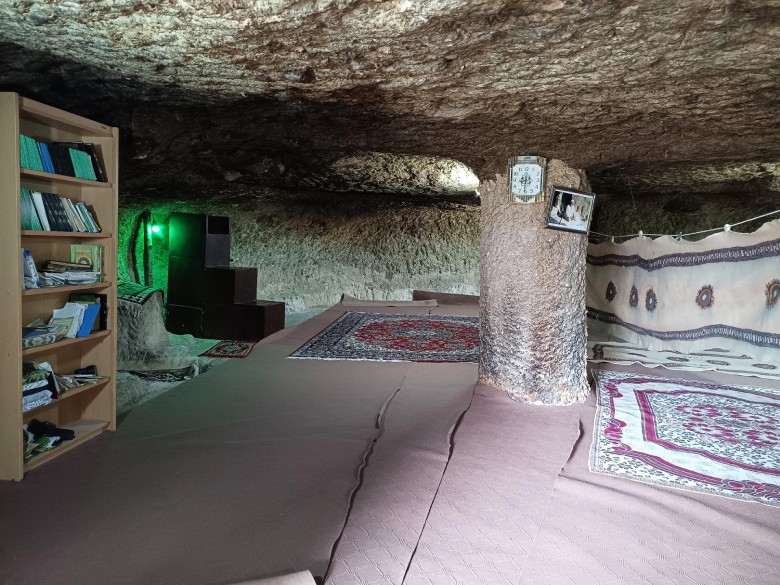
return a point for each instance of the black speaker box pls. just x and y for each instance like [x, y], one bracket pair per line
[185, 281]
[227, 286]
[205, 238]
[184, 320]
[250, 321]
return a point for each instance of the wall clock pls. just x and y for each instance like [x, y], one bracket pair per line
[526, 179]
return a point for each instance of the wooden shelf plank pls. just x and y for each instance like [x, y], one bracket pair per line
[84, 429]
[31, 174]
[50, 116]
[57, 345]
[44, 234]
[50, 290]
[64, 398]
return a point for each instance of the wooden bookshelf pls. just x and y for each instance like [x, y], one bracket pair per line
[87, 410]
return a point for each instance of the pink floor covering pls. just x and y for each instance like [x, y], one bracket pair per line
[371, 472]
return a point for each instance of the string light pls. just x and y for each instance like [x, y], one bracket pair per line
[679, 235]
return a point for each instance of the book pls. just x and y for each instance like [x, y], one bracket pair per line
[61, 159]
[62, 266]
[96, 303]
[87, 254]
[29, 217]
[89, 320]
[57, 209]
[73, 216]
[97, 173]
[30, 156]
[69, 316]
[40, 209]
[82, 164]
[48, 165]
[89, 216]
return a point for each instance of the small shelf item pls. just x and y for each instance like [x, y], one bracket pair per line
[56, 144]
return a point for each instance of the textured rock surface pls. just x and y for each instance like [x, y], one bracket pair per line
[215, 92]
[141, 331]
[310, 249]
[673, 214]
[532, 303]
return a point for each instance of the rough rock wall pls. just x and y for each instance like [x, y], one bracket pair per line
[672, 214]
[532, 304]
[311, 248]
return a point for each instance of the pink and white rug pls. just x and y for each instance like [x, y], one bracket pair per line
[686, 434]
[388, 337]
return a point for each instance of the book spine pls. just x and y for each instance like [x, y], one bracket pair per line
[48, 166]
[93, 221]
[100, 174]
[40, 209]
[26, 221]
[66, 203]
[62, 213]
[81, 224]
[81, 208]
[51, 213]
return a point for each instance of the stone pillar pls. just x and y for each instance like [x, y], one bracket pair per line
[532, 296]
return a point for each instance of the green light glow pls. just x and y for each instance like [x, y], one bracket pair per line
[156, 229]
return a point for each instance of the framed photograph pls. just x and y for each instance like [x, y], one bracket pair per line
[570, 210]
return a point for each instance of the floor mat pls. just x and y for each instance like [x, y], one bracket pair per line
[402, 476]
[388, 337]
[492, 500]
[693, 435]
[230, 349]
[604, 530]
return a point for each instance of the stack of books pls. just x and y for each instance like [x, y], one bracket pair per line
[85, 267]
[72, 159]
[54, 213]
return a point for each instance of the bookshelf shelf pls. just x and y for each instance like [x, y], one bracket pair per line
[53, 290]
[39, 175]
[84, 429]
[68, 395]
[43, 234]
[48, 347]
[87, 410]
[61, 120]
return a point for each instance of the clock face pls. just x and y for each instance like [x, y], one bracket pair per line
[526, 179]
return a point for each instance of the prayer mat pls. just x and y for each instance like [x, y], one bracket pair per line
[395, 338]
[690, 435]
[714, 359]
[134, 293]
[230, 349]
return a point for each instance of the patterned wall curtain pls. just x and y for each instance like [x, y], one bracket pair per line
[719, 292]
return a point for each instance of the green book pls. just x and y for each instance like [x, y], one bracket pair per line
[29, 154]
[82, 164]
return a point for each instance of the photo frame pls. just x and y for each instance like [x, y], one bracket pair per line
[570, 210]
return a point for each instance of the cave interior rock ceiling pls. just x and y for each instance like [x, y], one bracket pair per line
[226, 97]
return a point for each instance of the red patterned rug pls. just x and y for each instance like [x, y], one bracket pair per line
[230, 349]
[395, 338]
[685, 434]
